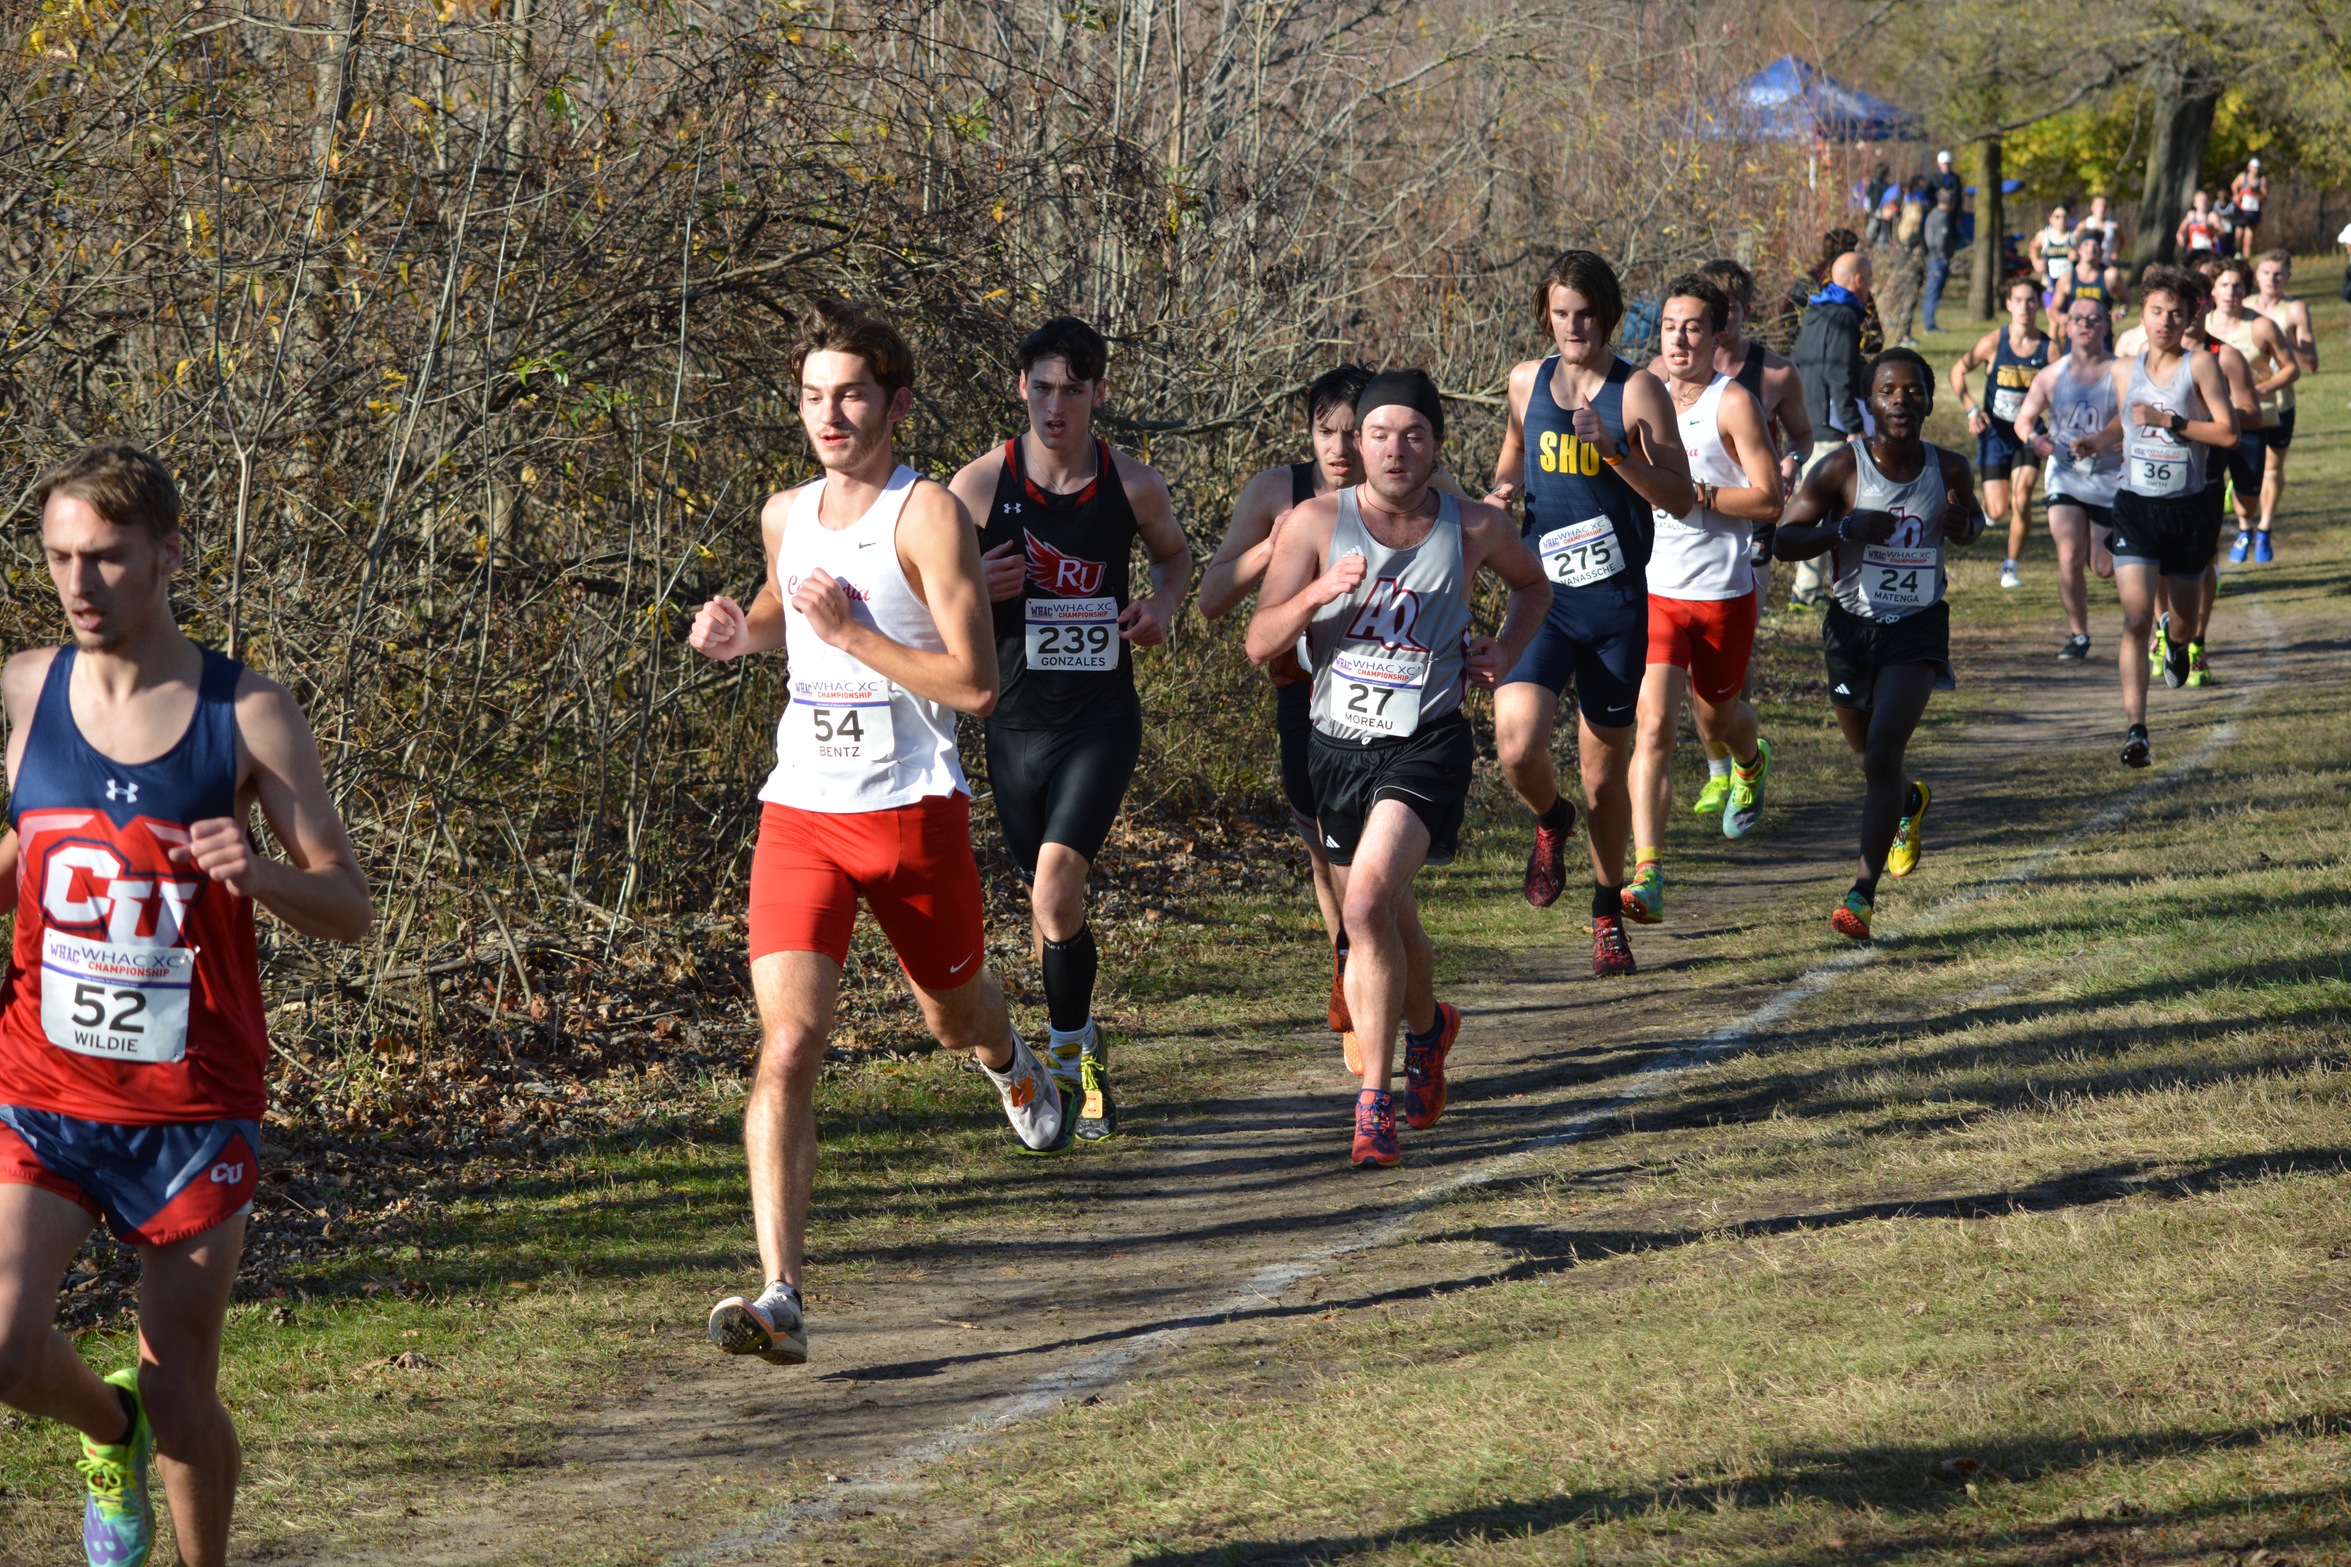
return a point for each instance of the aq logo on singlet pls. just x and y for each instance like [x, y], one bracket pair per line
[88, 889]
[1387, 616]
[1055, 572]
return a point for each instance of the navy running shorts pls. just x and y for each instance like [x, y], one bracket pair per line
[1599, 637]
[153, 1185]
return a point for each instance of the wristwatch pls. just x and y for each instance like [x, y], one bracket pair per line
[2179, 422]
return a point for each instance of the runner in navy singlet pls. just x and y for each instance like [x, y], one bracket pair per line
[132, 1042]
[1059, 514]
[2011, 356]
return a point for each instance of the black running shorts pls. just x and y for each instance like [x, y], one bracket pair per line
[2247, 459]
[2177, 535]
[1293, 721]
[1428, 771]
[2280, 433]
[1858, 650]
[1062, 785]
[2100, 516]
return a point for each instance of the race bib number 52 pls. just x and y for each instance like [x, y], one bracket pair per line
[115, 1002]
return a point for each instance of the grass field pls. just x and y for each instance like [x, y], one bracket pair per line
[2027, 1243]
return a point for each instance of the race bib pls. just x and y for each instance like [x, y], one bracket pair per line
[1073, 633]
[842, 726]
[2007, 403]
[114, 1002]
[1378, 692]
[1582, 553]
[2157, 467]
[1897, 581]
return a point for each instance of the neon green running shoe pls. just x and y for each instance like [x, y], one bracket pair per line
[2159, 651]
[118, 1516]
[1742, 813]
[1098, 1111]
[1714, 796]
[1643, 899]
[2198, 675]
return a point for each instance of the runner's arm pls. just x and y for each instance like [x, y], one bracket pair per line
[1007, 565]
[2304, 339]
[939, 550]
[318, 888]
[1963, 514]
[2036, 402]
[1146, 622]
[722, 628]
[1654, 463]
[1494, 540]
[2280, 352]
[1795, 422]
[1296, 583]
[1980, 354]
[1510, 465]
[20, 693]
[1240, 560]
[1806, 526]
[1741, 423]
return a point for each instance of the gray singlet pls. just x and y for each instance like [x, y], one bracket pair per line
[1885, 582]
[2155, 462]
[1387, 656]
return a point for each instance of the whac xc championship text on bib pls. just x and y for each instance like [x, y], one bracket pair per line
[842, 726]
[1379, 692]
[2159, 463]
[1897, 581]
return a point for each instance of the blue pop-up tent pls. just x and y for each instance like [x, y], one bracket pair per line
[1790, 100]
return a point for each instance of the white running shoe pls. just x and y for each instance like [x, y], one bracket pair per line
[770, 1327]
[1031, 1101]
[2008, 576]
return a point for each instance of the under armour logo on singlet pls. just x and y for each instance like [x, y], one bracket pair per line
[128, 792]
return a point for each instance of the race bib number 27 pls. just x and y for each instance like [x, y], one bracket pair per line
[115, 1002]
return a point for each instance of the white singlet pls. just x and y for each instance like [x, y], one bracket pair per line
[850, 740]
[1704, 555]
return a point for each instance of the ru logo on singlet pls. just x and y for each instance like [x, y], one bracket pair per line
[1387, 616]
[1055, 572]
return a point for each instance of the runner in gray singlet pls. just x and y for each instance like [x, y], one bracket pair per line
[1366, 686]
[2077, 395]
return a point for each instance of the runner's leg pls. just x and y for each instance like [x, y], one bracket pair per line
[1390, 963]
[1899, 701]
[183, 1300]
[2191, 604]
[2273, 484]
[2069, 530]
[2135, 583]
[1733, 725]
[40, 1234]
[796, 993]
[1651, 777]
[1605, 757]
[2020, 515]
[1524, 712]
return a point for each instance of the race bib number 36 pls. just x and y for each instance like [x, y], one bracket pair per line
[1378, 692]
[842, 726]
[1897, 581]
[1073, 633]
[1582, 553]
[114, 1002]
[2158, 467]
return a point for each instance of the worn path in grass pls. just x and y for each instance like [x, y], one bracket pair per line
[1241, 1208]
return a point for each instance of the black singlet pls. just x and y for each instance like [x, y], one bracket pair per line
[1080, 549]
[1750, 373]
[1301, 483]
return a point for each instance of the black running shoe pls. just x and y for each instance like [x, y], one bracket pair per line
[2175, 662]
[2135, 750]
[2075, 650]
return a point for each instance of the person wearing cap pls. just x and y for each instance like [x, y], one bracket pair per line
[1378, 579]
[2249, 191]
[1947, 178]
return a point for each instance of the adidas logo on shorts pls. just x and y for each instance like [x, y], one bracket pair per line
[1844, 689]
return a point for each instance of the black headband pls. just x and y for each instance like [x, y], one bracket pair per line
[1409, 388]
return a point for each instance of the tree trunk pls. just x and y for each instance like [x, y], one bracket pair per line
[517, 79]
[2175, 159]
[1991, 227]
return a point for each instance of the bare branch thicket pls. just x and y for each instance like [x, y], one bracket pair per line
[463, 328]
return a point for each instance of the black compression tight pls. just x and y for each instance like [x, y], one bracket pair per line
[1070, 967]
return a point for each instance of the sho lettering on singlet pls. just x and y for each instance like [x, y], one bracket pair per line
[1561, 451]
[843, 727]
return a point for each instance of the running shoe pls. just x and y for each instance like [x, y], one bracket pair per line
[2262, 554]
[2159, 648]
[1375, 1129]
[1547, 863]
[1031, 1103]
[2008, 576]
[1062, 1056]
[1351, 1046]
[2175, 662]
[1851, 917]
[1424, 1069]
[1644, 899]
[1743, 812]
[118, 1516]
[2136, 752]
[1336, 1014]
[1714, 796]
[1097, 1111]
[2076, 649]
[1611, 952]
[770, 1327]
[2242, 548]
[1909, 836]
[2198, 675]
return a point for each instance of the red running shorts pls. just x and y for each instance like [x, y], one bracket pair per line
[911, 863]
[1708, 639]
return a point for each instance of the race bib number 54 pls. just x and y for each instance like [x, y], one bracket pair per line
[115, 1002]
[842, 726]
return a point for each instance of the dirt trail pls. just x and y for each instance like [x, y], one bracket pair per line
[1244, 1205]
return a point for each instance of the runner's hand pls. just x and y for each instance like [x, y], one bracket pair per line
[1868, 527]
[1341, 578]
[1007, 567]
[219, 848]
[2043, 446]
[2082, 448]
[1139, 623]
[1790, 468]
[721, 630]
[1481, 661]
[1590, 430]
[1502, 495]
[2151, 417]
[1978, 421]
[825, 607]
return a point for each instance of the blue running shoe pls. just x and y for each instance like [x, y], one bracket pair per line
[2242, 548]
[118, 1516]
[2262, 554]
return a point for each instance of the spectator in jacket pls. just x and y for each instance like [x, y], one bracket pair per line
[1942, 242]
[1829, 357]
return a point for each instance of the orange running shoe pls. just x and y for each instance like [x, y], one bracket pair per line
[1611, 952]
[1850, 918]
[1375, 1129]
[1338, 1019]
[1424, 1069]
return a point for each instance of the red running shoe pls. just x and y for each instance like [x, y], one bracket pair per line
[1338, 1017]
[1424, 1070]
[1375, 1129]
[1611, 953]
[1547, 863]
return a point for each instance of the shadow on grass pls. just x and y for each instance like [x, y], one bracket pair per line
[1908, 1513]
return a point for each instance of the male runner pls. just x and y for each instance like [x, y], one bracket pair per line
[875, 593]
[1378, 579]
[2174, 403]
[2053, 249]
[2098, 221]
[1061, 513]
[1773, 382]
[2077, 395]
[2090, 276]
[2012, 355]
[2271, 274]
[2270, 356]
[132, 1044]
[1701, 595]
[2236, 374]
[2199, 231]
[2248, 191]
[1595, 445]
[1883, 509]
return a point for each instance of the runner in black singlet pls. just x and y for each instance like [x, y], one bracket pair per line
[1061, 512]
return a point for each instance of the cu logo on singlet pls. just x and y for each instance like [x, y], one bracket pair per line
[1562, 451]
